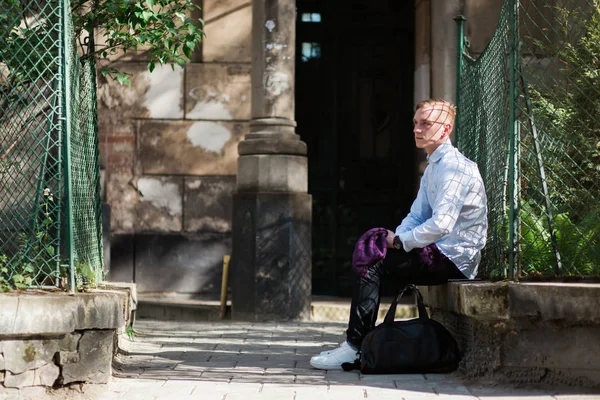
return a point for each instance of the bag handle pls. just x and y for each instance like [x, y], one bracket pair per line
[391, 314]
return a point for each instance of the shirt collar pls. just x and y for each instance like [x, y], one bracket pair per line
[440, 151]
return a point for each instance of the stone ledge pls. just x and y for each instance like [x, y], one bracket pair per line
[50, 338]
[481, 300]
[47, 313]
[130, 290]
[523, 333]
[576, 302]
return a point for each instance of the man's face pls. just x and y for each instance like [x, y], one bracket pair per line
[431, 126]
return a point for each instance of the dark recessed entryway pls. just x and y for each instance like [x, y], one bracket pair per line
[354, 107]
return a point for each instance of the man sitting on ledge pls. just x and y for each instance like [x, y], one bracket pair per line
[440, 239]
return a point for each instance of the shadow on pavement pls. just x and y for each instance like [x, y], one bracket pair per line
[278, 354]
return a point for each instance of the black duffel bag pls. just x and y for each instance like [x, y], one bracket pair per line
[418, 345]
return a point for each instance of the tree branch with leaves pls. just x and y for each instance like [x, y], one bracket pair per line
[165, 28]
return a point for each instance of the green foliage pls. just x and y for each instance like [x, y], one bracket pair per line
[25, 43]
[36, 257]
[163, 26]
[130, 332]
[85, 276]
[14, 276]
[41, 250]
[568, 110]
[577, 243]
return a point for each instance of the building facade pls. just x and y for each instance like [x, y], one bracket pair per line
[348, 74]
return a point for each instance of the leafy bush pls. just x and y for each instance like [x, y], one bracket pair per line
[577, 243]
[14, 278]
[35, 260]
[566, 111]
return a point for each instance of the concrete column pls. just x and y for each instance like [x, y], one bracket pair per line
[422, 88]
[443, 48]
[271, 259]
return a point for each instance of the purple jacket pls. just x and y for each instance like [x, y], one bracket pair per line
[370, 248]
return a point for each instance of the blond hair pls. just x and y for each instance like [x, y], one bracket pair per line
[446, 106]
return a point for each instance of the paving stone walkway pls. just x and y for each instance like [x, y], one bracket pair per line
[229, 361]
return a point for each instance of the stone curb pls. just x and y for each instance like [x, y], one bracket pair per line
[38, 312]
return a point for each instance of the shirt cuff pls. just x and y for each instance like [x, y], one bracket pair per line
[405, 238]
[399, 231]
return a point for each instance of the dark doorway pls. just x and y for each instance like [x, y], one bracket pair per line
[354, 108]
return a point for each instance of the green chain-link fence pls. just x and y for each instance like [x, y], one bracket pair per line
[528, 112]
[50, 221]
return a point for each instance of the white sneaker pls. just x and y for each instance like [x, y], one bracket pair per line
[330, 350]
[334, 359]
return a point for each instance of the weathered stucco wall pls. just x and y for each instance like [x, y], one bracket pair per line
[169, 155]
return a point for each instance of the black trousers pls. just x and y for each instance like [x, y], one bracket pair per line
[401, 267]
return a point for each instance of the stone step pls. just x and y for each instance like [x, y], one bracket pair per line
[193, 307]
[179, 307]
[325, 309]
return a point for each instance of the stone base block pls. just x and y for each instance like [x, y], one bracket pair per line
[523, 333]
[26, 378]
[84, 356]
[271, 260]
[53, 338]
[273, 173]
[47, 375]
[95, 359]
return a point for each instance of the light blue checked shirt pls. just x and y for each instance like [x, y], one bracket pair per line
[450, 210]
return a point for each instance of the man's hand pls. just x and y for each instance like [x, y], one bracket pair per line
[390, 239]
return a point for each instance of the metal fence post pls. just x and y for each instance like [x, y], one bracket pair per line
[66, 113]
[543, 180]
[513, 143]
[460, 21]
